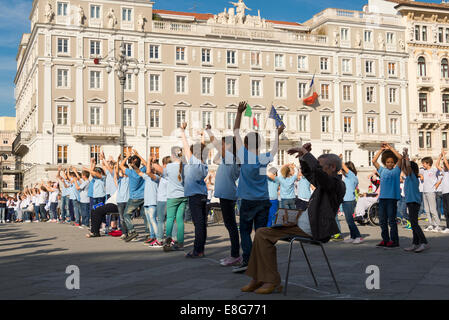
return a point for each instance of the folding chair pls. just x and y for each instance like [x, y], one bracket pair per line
[302, 240]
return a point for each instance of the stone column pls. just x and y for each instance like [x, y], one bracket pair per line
[47, 119]
[111, 87]
[382, 107]
[360, 122]
[141, 107]
[79, 103]
[337, 111]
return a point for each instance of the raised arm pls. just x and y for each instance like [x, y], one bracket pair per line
[104, 164]
[406, 167]
[343, 165]
[150, 173]
[238, 120]
[444, 159]
[275, 148]
[438, 164]
[122, 164]
[142, 160]
[185, 143]
[212, 139]
[376, 157]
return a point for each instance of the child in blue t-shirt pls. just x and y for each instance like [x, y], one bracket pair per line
[390, 193]
[413, 200]
[289, 175]
[273, 191]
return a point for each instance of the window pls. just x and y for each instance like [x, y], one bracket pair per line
[370, 157]
[205, 56]
[303, 123]
[62, 9]
[128, 117]
[371, 124]
[95, 151]
[394, 126]
[346, 66]
[181, 84]
[325, 124]
[231, 120]
[424, 33]
[129, 82]
[180, 117]
[423, 102]
[95, 78]
[301, 90]
[348, 154]
[444, 140]
[154, 52]
[255, 59]
[347, 124]
[391, 68]
[154, 152]
[63, 78]
[367, 36]
[231, 85]
[94, 12]
[63, 45]
[346, 92]
[95, 47]
[95, 116]
[369, 66]
[281, 158]
[62, 115]
[446, 35]
[280, 87]
[255, 88]
[154, 83]
[440, 35]
[390, 38]
[302, 63]
[325, 91]
[206, 118]
[392, 92]
[344, 34]
[206, 84]
[444, 69]
[421, 139]
[370, 94]
[127, 14]
[180, 54]
[154, 118]
[326, 151]
[421, 67]
[445, 102]
[324, 64]
[417, 34]
[231, 57]
[129, 49]
[279, 61]
[62, 154]
[428, 139]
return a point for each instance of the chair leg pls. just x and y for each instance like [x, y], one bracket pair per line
[288, 267]
[330, 269]
[308, 263]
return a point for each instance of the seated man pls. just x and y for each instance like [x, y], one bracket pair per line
[317, 222]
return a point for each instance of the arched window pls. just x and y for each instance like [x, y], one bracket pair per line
[421, 67]
[444, 69]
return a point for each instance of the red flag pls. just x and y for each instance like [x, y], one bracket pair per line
[255, 123]
[310, 100]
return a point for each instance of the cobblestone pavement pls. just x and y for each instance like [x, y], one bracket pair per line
[34, 257]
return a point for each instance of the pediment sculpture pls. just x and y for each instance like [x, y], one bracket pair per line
[49, 13]
[112, 19]
[236, 16]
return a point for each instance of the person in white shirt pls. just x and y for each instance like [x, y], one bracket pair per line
[444, 170]
[53, 200]
[430, 180]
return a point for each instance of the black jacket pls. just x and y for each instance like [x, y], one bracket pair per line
[325, 200]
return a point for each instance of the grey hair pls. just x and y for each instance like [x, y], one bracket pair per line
[332, 159]
[273, 170]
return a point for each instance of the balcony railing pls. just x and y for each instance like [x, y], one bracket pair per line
[82, 130]
[377, 138]
[20, 142]
[171, 26]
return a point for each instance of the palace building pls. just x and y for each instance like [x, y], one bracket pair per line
[196, 67]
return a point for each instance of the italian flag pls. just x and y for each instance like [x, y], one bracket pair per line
[249, 113]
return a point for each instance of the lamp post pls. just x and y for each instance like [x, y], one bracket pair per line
[2, 156]
[122, 67]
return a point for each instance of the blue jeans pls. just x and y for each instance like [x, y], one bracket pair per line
[64, 204]
[72, 210]
[2, 214]
[348, 209]
[252, 212]
[402, 209]
[161, 212]
[150, 214]
[272, 213]
[288, 204]
[85, 214]
[131, 205]
[77, 211]
[387, 217]
[36, 212]
[54, 210]
[439, 198]
[121, 210]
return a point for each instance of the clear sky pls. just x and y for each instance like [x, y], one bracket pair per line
[14, 21]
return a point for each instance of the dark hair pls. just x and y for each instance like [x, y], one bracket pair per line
[136, 160]
[99, 170]
[415, 168]
[387, 154]
[86, 173]
[230, 140]
[200, 151]
[427, 160]
[351, 167]
[166, 160]
[250, 137]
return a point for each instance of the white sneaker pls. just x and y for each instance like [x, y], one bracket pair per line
[7, 220]
[421, 248]
[349, 240]
[412, 248]
[429, 228]
[27, 221]
[358, 241]
[445, 230]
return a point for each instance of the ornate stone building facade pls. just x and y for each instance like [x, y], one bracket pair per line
[196, 67]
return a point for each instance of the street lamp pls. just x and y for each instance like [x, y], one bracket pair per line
[2, 156]
[122, 66]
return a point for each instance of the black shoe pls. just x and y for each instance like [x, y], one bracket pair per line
[241, 268]
[131, 236]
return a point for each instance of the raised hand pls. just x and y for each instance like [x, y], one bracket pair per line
[281, 129]
[183, 126]
[242, 106]
[208, 127]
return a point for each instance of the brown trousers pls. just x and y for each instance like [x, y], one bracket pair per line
[262, 264]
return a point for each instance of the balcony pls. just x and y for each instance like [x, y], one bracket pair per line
[20, 144]
[424, 83]
[83, 132]
[365, 139]
[171, 27]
